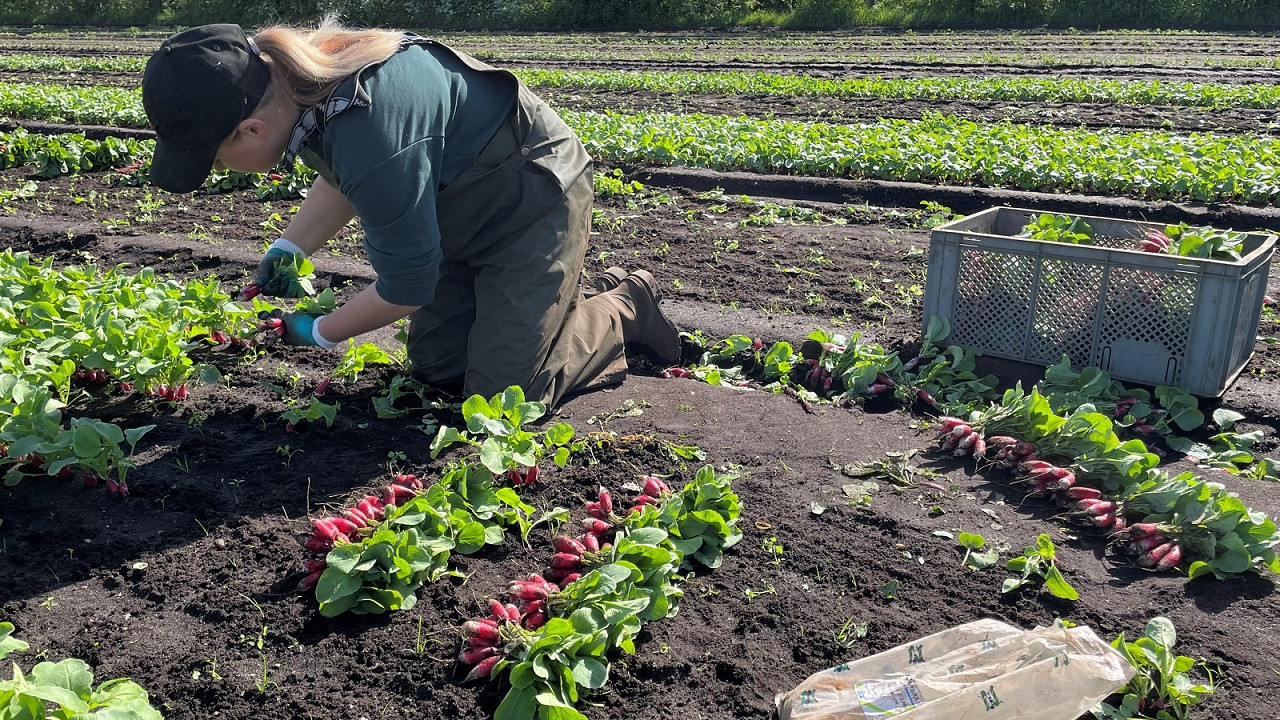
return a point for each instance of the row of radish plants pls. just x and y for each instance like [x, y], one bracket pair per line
[554, 632]
[72, 334]
[937, 149]
[1079, 437]
[1002, 88]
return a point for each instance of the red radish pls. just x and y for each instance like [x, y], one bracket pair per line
[355, 517]
[112, 486]
[911, 364]
[317, 544]
[314, 565]
[1001, 441]
[481, 628]
[569, 579]
[396, 494]
[90, 480]
[326, 530]
[564, 544]
[925, 397]
[606, 501]
[1140, 530]
[323, 387]
[1105, 520]
[310, 581]
[250, 292]
[961, 430]
[525, 591]
[948, 423]
[499, 612]
[531, 475]
[288, 427]
[1031, 466]
[370, 508]
[645, 500]
[596, 526]
[1152, 557]
[1096, 507]
[596, 510]
[345, 526]
[566, 561]
[885, 380]
[655, 487]
[1148, 543]
[410, 481]
[218, 337]
[474, 655]
[476, 642]
[877, 388]
[1170, 559]
[1083, 493]
[535, 620]
[589, 542]
[676, 372]
[1145, 428]
[949, 441]
[483, 668]
[513, 476]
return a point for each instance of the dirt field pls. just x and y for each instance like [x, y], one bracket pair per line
[222, 492]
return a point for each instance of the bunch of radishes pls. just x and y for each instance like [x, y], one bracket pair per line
[171, 394]
[483, 638]
[653, 491]
[91, 376]
[818, 377]
[574, 556]
[516, 476]
[1010, 451]
[960, 438]
[677, 372]
[371, 510]
[1152, 546]
[1155, 241]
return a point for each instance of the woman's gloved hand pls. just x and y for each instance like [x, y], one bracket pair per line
[292, 328]
[277, 275]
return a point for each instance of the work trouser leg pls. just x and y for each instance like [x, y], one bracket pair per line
[532, 326]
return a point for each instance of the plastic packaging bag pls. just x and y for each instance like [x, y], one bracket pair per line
[984, 669]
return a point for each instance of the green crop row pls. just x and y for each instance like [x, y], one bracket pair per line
[942, 150]
[948, 150]
[1028, 89]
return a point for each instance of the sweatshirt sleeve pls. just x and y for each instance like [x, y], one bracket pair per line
[396, 202]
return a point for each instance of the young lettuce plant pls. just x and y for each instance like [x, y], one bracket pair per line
[507, 446]
[1162, 688]
[65, 690]
[1039, 564]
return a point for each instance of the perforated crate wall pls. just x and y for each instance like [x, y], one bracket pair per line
[1148, 318]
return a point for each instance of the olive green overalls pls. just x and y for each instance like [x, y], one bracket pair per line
[514, 228]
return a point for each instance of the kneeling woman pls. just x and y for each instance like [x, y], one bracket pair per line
[474, 197]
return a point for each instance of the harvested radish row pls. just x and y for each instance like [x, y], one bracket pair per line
[367, 513]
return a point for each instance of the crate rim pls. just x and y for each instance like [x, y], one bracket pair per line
[1264, 249]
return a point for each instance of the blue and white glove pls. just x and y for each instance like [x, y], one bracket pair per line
[295, 329]
[275, 276]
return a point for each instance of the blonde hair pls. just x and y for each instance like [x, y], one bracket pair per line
[307, 63]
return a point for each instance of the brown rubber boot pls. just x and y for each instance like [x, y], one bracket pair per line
[605, 281]
[643, 323]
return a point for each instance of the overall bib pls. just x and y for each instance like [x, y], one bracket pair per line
[514, 228]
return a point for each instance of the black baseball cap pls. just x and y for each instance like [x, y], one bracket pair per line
[196, 88]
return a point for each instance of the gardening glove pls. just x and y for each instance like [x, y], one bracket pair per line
[275, 276]
[293, 328]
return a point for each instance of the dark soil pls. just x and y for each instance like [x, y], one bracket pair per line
[222, 492]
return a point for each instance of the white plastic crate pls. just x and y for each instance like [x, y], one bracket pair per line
[1147, 318]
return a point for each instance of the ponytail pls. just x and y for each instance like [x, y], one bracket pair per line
[306, 64]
